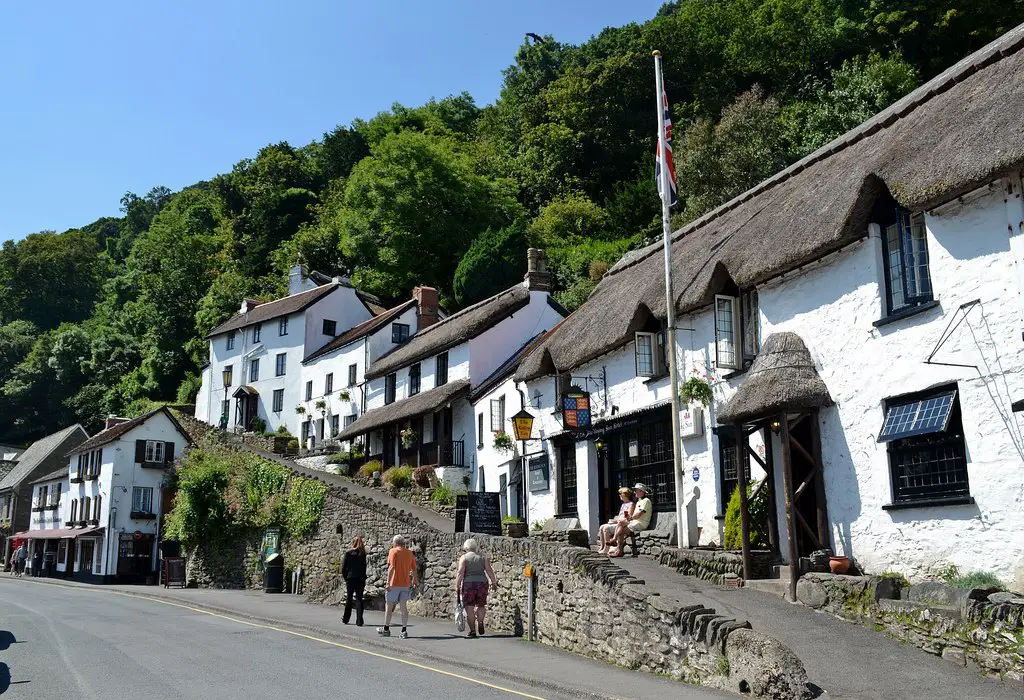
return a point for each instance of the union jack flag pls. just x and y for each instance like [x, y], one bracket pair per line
[672, 198]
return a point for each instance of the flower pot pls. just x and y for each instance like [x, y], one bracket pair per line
[515, 530]
[839, 565]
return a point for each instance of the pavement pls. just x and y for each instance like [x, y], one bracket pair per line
[843, 659]
[63, 639]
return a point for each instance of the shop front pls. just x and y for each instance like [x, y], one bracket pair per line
[134, 557]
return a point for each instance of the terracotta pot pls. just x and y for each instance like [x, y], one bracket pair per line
[839, 565]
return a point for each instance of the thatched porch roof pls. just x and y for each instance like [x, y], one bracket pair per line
[782, 378]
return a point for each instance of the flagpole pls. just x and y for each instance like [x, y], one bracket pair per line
[670, 309]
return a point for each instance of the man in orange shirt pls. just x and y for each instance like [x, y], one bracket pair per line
[402, 579]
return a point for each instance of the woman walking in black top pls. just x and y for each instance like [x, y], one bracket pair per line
[353, 570]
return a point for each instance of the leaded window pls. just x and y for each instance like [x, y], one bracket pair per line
[907, 276]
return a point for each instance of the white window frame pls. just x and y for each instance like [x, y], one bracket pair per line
[734, 344]
[497, 414]
[650, 340]
[142, 499]
[155, 451]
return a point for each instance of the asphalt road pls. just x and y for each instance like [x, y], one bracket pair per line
[58, 642]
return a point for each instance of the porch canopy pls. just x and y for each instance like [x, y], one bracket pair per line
[58, 533]
[406, 408]
[782, 379]
[243, 391]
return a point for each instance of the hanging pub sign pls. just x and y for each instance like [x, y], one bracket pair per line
[576, 410]
[522, 424]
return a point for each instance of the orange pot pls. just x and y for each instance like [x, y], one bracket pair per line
[839, 565]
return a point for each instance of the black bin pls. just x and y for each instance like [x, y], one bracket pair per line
[273, 574]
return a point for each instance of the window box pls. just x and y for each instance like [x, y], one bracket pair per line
[38, 509]
[142, 515]
[69, 523]
[92, 477]
[52, 506]
[153, 465]
[76, 479]
[80, 523]
[94, 522]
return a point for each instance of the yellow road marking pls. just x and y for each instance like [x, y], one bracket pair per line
[318, 639]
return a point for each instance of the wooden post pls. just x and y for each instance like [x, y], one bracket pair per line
[787, 480]
[769, 458]
[824, 531]
[741, 474]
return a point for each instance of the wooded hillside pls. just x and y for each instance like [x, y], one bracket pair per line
[105, 318]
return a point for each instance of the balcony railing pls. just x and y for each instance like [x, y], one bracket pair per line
[449, 453]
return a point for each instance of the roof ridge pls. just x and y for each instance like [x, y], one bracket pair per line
[1001, 47]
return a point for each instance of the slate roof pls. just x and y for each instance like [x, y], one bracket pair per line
[452, 330]
[406, 408]
[36, 453]
[274, 309]
[52, 476]
[952, 135]
[361, 330]
[113, 433]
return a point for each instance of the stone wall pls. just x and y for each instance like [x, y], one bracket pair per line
[572, 537]
[979, 628]
[584, 603]
[714, 564]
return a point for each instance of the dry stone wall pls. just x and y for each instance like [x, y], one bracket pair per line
[584, 603]
[980, 628]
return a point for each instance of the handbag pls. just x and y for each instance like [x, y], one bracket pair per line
[460, 615]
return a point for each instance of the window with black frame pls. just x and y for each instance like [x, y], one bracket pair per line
[905, 249]
[441, 370]
[399, 332]
[567, 500]
[924, 437]
[643, 453]
[414, 379]
[390, 382]
[730, 456]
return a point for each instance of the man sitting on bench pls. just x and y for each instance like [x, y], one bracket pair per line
[639, 521]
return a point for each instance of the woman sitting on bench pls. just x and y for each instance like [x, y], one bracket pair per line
[606, 533]
[638, 521]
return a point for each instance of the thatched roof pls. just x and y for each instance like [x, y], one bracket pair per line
[782, 378]
[450, 331]
[955, 133]
[405, 408]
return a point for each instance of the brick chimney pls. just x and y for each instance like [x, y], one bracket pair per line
[427, 307]
[112, 421]
[537, 278]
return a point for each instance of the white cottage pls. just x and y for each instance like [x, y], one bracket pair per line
[858, 319]
[256, 355]
[421, 388]
[111, 508]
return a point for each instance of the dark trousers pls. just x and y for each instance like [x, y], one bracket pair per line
[354, 589]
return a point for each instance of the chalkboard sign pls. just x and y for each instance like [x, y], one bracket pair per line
[174, 572]
[484, 513]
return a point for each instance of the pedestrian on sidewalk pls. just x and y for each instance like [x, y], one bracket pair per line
[471, 583]
[402, 578]
[353, 570]
[22, 558]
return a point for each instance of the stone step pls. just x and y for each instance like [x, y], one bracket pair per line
[774, 586]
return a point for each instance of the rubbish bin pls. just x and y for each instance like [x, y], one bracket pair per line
[273, 574]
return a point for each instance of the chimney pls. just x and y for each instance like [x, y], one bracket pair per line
[537, 279]
[427, 311]
[248, 305]
[298, 279]
[112, 421]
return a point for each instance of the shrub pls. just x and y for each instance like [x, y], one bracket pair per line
[758, 519]
[898, 579]
[339, 458]
[443, 494]
[259, 425]
[293, 444]
[282, 430]
[399, 477]
[424, 476]
[975, 579]
[509, 519]
[366, 471]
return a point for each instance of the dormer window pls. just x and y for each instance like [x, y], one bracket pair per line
[908, 280]
[649, 354]
[399, 332]
[737, 336]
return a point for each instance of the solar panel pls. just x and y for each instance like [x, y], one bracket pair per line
[922, 417]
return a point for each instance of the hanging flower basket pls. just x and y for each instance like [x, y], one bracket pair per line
[696, 390]
[408, 438]
[503, 442]
[301, 410]
[344, 395]
[321, 405]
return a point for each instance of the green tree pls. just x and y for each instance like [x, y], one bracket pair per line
[495, 261]
[412, 209]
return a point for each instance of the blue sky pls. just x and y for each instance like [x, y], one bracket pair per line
[100, 98]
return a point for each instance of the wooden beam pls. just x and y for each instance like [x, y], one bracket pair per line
[787, 479]
[757, 457]
[773, 523]
[803, 452]
[807, 528]
[799, 419]
[741, 475]
[824, 531]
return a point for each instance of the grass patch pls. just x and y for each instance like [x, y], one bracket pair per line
[975, 579]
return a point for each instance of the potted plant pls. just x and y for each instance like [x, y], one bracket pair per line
[514, 527]
[408, 438]
[696, 390]
[344, 395]
[503, 442]
[300, 410]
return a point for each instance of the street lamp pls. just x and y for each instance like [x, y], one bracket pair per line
[522, 425]
[226, 377]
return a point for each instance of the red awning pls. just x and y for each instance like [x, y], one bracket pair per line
[59, 533]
